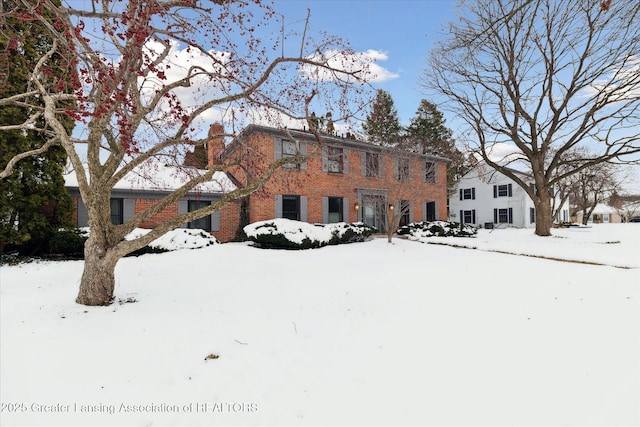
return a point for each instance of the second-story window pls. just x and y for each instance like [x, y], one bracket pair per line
[430, 172]
[403, 172]
[289, 149]
[372, 164]
[334, 159]
[468, 193]
[504, 190]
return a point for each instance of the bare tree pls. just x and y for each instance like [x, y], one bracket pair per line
[591, 186]
[403, 191]
[625, 205]
[403, 183]
[537, 78]
[145, 76]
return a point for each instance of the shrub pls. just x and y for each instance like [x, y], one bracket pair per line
[288, 234]
[68, 242]
[438, 228]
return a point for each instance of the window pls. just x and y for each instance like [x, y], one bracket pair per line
[291, 207]
[290, 149]
[405, 212]
[203, 223]
[372, 164]
[504, 190]
[430, 211]
[503, 216]
[468, 217]
[429, 172]
[532, 215]
[403, 172]
[117, 211]
[334, 159]
[335, 210]
[467, 193]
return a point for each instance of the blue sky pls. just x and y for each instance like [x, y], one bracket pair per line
[404, 30]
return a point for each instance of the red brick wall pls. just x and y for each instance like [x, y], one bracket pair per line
[315, 184]
[167, 213]
[229, 217]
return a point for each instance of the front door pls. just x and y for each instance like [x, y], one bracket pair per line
[374, 211]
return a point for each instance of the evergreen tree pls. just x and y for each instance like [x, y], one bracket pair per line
[382, 125]
[33, 199]
[427, 134]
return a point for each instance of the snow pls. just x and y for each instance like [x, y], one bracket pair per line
[180, 238]
[608, 244]
[298, 231]
[369, 334]
[155, 175]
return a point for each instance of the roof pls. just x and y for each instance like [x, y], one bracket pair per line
[157, 176]
[485, 171]
[601, 208]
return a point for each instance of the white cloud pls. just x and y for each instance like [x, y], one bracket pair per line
[502, 153]
[364, 64]
[177, 65]
[622, 84]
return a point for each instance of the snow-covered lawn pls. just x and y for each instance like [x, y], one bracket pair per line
[367, 333]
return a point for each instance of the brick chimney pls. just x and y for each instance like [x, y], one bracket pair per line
[215, 143]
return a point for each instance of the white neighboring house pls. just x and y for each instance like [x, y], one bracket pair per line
[488, 199]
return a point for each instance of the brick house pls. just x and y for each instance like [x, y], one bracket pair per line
[139, 190]
[343, 179]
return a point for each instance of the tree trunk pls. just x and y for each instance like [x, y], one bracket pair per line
[543, 216]
[98, 278]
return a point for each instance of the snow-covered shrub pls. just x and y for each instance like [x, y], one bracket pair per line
[70, 242]
[180, 238]
[438, 228]
[284, 233]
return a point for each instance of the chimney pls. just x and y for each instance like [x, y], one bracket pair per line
[215, 143]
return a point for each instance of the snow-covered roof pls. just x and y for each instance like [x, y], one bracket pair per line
[155, 175]
[601, 208]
